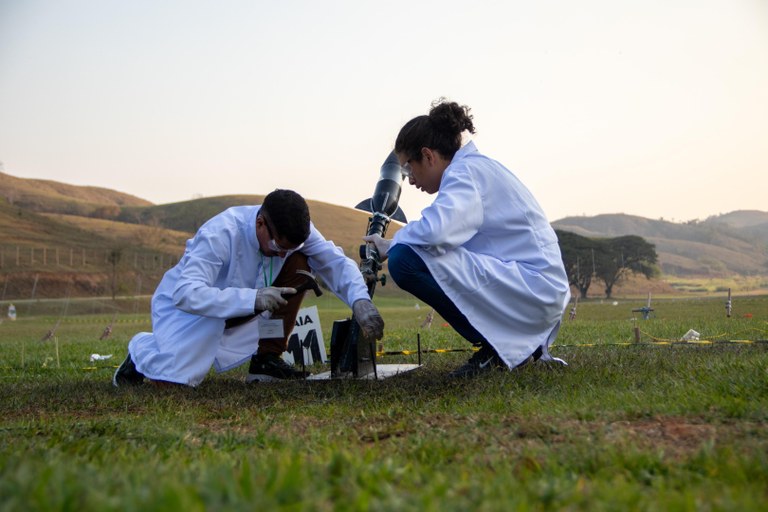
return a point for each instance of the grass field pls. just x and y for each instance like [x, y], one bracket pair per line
[626, 426]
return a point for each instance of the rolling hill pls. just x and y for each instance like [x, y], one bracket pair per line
[733, 243]
[36, 200]
[54, 197]
[38, 217]
[53, 234]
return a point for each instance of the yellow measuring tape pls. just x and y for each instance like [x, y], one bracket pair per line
[616, 344]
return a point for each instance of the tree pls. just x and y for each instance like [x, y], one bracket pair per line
[579, 253]
[623, 255]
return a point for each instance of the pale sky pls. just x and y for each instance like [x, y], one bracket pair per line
[657, 108]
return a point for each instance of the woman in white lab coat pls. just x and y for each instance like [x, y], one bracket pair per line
[483, 254]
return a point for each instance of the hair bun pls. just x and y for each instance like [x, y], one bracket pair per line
[450, 117]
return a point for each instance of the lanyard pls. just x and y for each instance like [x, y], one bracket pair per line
[263, 269]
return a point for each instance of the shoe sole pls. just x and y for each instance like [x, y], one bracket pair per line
[490, 365]
[114, 375]
[125, 384]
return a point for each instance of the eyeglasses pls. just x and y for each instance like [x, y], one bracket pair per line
[272, 245]
[406, 169]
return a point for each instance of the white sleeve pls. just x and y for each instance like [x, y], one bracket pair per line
[195, 291]
[453, 218]
[340, 273]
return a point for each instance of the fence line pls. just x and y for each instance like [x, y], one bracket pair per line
[40, 257]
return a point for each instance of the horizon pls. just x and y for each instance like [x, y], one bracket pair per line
[673, 221]
[656, 110]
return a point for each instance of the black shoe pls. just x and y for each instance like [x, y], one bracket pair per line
[271, 367]
[531, 358]
[484, 360]
[127, 374]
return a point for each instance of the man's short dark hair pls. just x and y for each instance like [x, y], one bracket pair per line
[289, 214]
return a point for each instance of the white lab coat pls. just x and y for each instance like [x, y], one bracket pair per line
[491, 249]
[216, 279]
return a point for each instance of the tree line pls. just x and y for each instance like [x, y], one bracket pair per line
[605, 259]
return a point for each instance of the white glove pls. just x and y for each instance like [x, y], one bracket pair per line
[382, 244]
[271, 298]
[368, 318]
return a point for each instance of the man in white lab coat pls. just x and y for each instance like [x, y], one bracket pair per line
[483, 254]
[232, 297]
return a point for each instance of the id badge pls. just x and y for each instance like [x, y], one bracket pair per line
[270, 328]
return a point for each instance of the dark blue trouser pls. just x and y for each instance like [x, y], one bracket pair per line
[412, 275]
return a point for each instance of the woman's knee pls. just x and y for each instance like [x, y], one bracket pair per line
[396, 261]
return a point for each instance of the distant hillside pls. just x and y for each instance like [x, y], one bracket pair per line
[122, 234]
[46, 196]
[345, 226]
[45, 255]
[41, 213]
[742, 219]
[19, 226]
[41, 239]
[734, 243]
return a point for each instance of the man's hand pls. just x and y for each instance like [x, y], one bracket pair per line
[271, 298]
[382, 244]
[369, 319]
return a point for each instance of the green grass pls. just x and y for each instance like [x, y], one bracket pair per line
[625, 426]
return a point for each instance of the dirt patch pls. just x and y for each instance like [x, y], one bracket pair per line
[676, 436]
